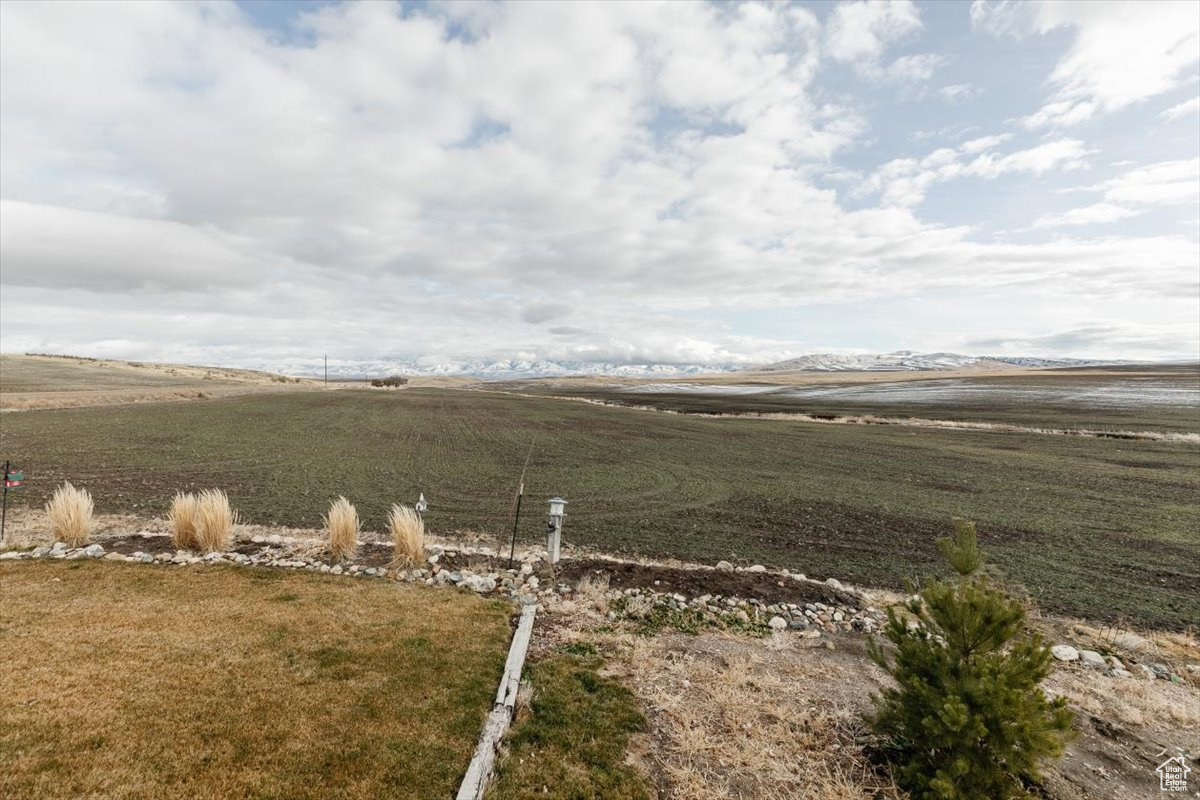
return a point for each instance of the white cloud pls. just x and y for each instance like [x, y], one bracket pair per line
[905, 181]
[1106, 340]
[1095, 214]
[959, 92]
[1166, 183]
[1123, 51]
[982, 143]
[860, 31]
[1181, 110]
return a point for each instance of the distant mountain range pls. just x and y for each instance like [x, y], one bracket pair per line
[502, 369]
[488, 369]
[907, 360]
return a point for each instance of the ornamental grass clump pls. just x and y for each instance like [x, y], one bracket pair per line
[214, 521]
[408, 535]
[182, 517]
[343, 526]
[967, 718]
[70, 511]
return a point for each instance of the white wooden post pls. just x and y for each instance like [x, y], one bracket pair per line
[554, 539]
[554, 530]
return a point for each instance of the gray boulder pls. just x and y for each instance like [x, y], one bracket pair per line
[1064, 652]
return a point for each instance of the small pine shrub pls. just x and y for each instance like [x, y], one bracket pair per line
[408, 535]
[967, 718]
[70, 511]
[184, 509]
[214, 521]
[342, 525]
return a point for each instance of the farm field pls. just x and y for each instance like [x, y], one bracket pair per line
[137, 682]
[1092, 527]
[31, 382]
[1163, 398]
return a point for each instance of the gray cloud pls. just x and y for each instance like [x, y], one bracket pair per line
[177, 181]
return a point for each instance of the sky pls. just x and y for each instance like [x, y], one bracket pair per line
[260, 184]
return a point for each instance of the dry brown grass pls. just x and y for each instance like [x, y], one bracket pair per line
[70, 511]
[40, 382]
[742, 720]
[214, 520]
[185, 508]
[1158, 705]
[408, 535]
[592, 592]
[342, 527]
[140, 683]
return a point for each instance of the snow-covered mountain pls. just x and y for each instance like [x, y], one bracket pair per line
[488, 369]
[907, 360]
[901, 360]
[508, 369]
[1029, 361]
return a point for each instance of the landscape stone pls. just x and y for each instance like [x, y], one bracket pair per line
[1064, 652]
[777, 623]
[1131, 641]
[724, 566]
[1092, 660]
[93, 551]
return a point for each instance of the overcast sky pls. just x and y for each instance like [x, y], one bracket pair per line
[253, 183]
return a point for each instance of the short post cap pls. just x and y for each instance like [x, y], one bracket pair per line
[557, 505]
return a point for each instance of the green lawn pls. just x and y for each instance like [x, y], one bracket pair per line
[1097, 527]
[572, 745]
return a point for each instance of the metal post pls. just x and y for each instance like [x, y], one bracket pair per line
[512, 545]
[4, 513]
[326, 372]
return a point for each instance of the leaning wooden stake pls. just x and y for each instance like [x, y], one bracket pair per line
[480, 770]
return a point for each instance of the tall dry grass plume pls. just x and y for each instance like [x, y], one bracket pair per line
[70, 511]
[182, 517]
[408, 535]
[342, 524]
[214, 521]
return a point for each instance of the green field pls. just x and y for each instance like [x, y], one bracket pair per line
[1096, 527]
